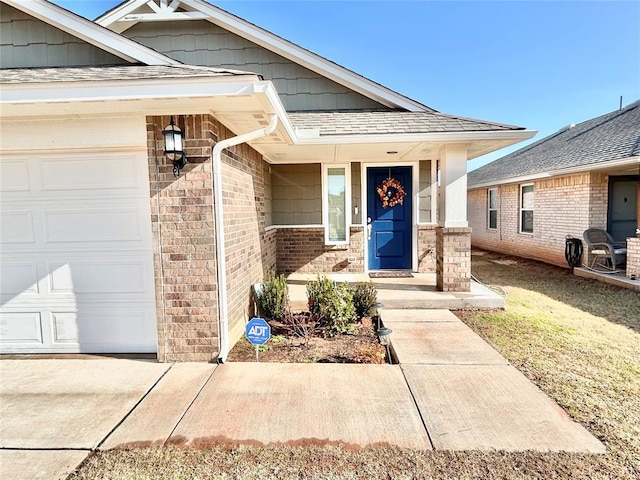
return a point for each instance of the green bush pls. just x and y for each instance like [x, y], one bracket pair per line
[274, 299]
[334, 304]
[317, 291]
[364, 297]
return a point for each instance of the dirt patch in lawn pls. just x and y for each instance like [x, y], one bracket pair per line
[310, 345]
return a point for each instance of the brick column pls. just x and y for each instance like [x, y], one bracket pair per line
[453, 259]
[633, 258]
[184, 243]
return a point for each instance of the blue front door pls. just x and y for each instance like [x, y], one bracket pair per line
[389, 222]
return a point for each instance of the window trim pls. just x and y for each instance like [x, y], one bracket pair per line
[325, 201]
[489, 209]
[521, 209]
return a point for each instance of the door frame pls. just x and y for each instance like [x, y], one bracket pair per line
[620, 178]
[415, 185]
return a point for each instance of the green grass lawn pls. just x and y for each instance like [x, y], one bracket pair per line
[579, 340]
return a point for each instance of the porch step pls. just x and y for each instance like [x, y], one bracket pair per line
[417, 292]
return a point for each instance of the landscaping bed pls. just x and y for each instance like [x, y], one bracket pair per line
[286, 347]
[337, 328]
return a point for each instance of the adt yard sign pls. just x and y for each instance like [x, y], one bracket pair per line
[257, 331]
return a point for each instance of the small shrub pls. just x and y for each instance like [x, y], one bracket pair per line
[364, 297]
[334, 304]
[317, 291]
[338, 312]
[301, 325]
[274, 300]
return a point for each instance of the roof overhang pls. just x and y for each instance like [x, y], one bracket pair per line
[242, 103]
[90, 32]
[623, 166]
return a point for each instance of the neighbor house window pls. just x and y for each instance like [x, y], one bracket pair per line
[492, 208]
[526, 208]
[336, 204]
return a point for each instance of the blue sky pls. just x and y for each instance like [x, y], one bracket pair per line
[537, 64]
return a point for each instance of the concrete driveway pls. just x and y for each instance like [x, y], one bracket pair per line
[54, 412]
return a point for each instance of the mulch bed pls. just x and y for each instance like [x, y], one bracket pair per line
[285, 346]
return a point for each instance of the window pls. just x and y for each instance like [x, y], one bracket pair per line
[336, 203]
[492, 208]
[526, 209]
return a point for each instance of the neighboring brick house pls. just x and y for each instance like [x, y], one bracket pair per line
[584, 176]
[103, 249]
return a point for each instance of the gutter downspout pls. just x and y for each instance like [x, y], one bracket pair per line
[218, 213]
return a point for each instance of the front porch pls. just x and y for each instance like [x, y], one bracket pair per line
[618, 278]
[419, 291]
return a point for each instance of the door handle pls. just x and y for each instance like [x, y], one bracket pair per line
[369, 228]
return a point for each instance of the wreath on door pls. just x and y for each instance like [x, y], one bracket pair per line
[391, 192]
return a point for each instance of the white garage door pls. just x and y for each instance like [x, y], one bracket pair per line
[76, 260]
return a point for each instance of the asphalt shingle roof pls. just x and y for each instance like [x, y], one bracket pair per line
[613, 136]
[120, 72]
[392, 122]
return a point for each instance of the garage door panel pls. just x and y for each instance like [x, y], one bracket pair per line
[83, 328]
[17, 278]
[84, 225]
[21, 328]
[14, 176]
[85, 277]
[16, 226]
[96, 174]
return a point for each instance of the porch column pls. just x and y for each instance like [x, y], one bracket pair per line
[453, 235]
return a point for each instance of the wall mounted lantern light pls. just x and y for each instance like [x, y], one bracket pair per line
[173, 147]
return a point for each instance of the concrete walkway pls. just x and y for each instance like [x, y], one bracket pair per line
[451, 391]
[469, 397]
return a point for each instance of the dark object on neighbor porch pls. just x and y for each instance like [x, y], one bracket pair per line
[573, 251]
[390, 274]
[606, 252]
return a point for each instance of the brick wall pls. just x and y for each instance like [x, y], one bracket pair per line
[426, 248]
[566, 205]
[633, 258]
[303, 250]
[184, 243]
[184, 238]
[243, 171]
[453, 259]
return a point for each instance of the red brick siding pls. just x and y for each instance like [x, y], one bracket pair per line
[633, 258]
[184, 246]
[566, 205]
[453, 259]
[303, 250]
[243, 172]
[426, 248]
[184, 238]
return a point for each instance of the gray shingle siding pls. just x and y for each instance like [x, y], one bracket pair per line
[27, 42]
[613, 136]
[202, 43]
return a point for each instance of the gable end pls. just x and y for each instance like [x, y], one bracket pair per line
[27, 42]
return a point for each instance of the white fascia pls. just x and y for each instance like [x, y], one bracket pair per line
[557, 173]
[90, 32]
[140, 89]
[445, 137]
